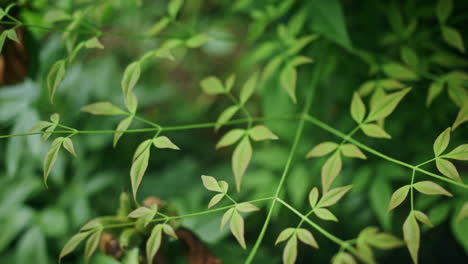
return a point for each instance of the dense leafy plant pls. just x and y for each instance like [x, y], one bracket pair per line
[291, 60]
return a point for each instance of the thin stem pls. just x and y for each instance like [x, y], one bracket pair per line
[297, 137]
[231, 199]
[242, 107]
[186, 215]
[326, 127]
[411, 189]
[146, 121]
[302, 219]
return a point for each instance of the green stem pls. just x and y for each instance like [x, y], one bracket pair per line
[186, 215]
[146, 121]
[326, 127]
[411, 189]
[242, 107]
[297, 137]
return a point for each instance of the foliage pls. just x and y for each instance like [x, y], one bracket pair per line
[243, 86]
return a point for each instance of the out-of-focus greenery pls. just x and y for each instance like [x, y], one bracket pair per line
[356, 39]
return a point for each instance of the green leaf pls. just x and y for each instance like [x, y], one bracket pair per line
[431, 188]
[46, 135]
[384, 241]
[306, 237]
[260, 132]
[131, 103]
[11, 34]
[285, 234]
[211, 184]
[288, 78]
[226, 115]
[39, 126]
[212, 85]
[453, 38]
[350, 150]
[93, 43]
[68, 145]
[3, 36]
[398, 197]
[73, 242]
[215, 199]
[462, 116]
[322, 149]
[325, 214]
[230, 137]
[248, 88]
[444, 9]
[173, 7]
[169, 231]
[144, 213]
[92, 243]
[153, 243]
[300, 60]
[343, 258]
[313, 197]
[333, 196]
[290, 251]
[55, 118]
[92, 224]
[399, 72]
[385, 105]
[164, 142]
[138, 170]
[230, 82]
[409, 57]
[122, 126]
[158, 26]
[459, 153]
[327, 18]
[448, 169]
[271, 67]
[434, 91]
[103, 108]
[197, 40]
[423, 218]
[330, 170]
[55, 77]
[299, 44]
[411, 235]
[237, 228]
[373, 130]
[441, 142]
[358, 109]
[246, 207]
[141, 148]
[463, 213]
[130, 78]
[51, 157]
[226, 217]
[241, 159]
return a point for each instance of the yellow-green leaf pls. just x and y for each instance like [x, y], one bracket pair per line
[39, 126]
[241, 159]
[448, 169]
[322, 149]
[248, 88]
[237, 228]
[68, 145]
[330, 170]
[102, 108]
[225, 116]
[350, 150]
[158, 26]
[226, 217]
[443, 10]
[412, 236]
[306, 237]
[211, 184]
[122, 126]
[325, 214]
[246, 207]
[463, 213]
[197, 40]
[285, 234]
[215, 199]
[441, 142]
[333, 196]
[93, 43]
[141, 148]
[290, 251]
[92, 243]
[173, 7]
[431, 188]
[399, 72]
[230, 137]
[423, 218]
[212, 85]
[73, 242]
[169, 231]
[358, 109]
[385, 105]
[138, 170]
[462, 116]
[130, 78]
[373, 130]
[51, 157]
[435, 89]
[55, 77]
[153, 243]
[288, 78]
[459, 153]
[260, 132]
[313, 197]
[164, 142]
[398, 197]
